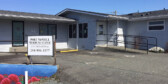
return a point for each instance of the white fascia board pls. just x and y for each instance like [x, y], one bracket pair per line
[105, 16]
[71, 10]
[63, 11]
[38, 18]
[89, 13]
[118, 17]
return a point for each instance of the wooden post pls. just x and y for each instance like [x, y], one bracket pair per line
[54, 50]
[28, 60]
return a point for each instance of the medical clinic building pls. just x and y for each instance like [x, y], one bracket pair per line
[77, 29]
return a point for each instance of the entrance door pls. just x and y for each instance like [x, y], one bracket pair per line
[101, 33]
[17, 33]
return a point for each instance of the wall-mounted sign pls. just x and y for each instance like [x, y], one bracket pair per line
[40, 46]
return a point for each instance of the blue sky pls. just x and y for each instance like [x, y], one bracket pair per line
[104, 6]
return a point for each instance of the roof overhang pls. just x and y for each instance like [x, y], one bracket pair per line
[149, 18]
[36, 18]
[80, 11]
[93, 13]
[118, 17]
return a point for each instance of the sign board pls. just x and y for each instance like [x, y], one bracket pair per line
[40, 46]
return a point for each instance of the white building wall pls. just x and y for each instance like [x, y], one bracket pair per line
[30, 28]
[62, 36]
[120, 30]
[5, 34]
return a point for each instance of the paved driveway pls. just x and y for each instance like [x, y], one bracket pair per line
[100, 67]
[105, 67]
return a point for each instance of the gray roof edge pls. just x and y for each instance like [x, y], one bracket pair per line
[16, 14]
[80, 11]
[93, 13]
[120, 17]
[148, 18]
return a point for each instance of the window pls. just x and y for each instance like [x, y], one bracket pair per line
[72, 31]
[156, 25]
[101, 29]
[83, 30]
[48, 29]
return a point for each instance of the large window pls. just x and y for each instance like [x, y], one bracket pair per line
[156, 25]
[48, 29]
[72, 31]
[83, 30]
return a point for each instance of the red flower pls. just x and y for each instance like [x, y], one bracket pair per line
[1, 78]
[33, 79]
[13, 78]
[6, 81]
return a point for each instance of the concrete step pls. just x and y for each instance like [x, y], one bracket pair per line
[118, 49]
[18, 49]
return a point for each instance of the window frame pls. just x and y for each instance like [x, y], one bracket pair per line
[148, 25]
[102, 29]
[48, 29]
[72, 34]
[82, 32]
[84, 29]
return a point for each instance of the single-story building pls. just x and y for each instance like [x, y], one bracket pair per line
[15, 27]
[78, 29]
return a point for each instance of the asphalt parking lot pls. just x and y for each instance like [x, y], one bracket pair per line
[104, 67]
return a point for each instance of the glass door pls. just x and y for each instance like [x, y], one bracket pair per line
[17, 33]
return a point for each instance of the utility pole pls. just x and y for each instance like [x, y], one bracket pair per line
[115, 12]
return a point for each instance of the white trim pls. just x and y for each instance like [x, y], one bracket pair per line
[104, 27]
[156, 25]
[78, 11]
[62, 12]
[118, 17]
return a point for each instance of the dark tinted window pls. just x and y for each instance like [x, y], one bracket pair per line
[70, 31]
[83, 30]
[43, 29]
[52, 29]
[74, 31]
[48, 29]
[80, 30]
[156, 27]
